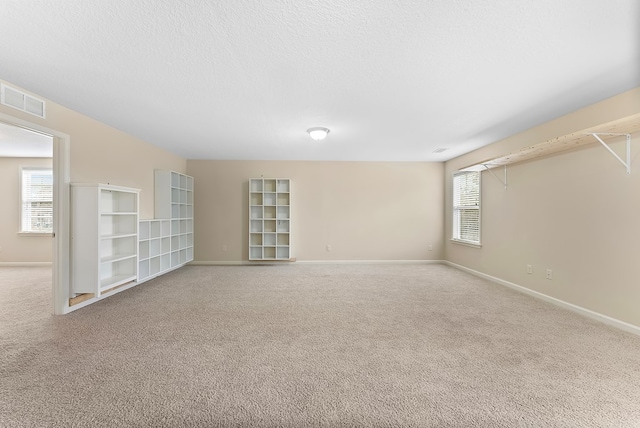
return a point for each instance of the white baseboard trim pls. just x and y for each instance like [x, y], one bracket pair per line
[630, 328]
[326, 262]
[370, 262]
[224, 263]
[25, 264]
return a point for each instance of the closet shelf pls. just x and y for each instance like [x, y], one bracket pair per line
[605, 131]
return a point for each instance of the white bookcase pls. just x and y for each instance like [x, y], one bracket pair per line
[270, 219]
[104, 237]
[174, 202]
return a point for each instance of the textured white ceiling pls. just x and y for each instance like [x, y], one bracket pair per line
[244, 79]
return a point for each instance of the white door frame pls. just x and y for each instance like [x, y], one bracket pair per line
[61, 250]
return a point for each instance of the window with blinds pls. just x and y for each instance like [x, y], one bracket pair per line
[466, 207]
[37, 200]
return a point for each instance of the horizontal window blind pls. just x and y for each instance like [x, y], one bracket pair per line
[466, 207]
[37, 200]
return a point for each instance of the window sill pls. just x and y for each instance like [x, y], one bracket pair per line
[466, 243]
[36, 234]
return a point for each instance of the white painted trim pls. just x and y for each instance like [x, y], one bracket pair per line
[221, 263]
[25, 264]
[630, 328]
[328, 262]
[61, 213]
[156, 275]
[371, 262]
[465, 243]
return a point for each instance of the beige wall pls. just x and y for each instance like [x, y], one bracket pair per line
[14, 247]
[576, 213]
[364, 210]
[102, 154]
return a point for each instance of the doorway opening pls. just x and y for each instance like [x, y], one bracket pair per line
[27, 147]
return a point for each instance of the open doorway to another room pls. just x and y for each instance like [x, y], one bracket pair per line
[34, 177]
[26, 180]
[26, 230]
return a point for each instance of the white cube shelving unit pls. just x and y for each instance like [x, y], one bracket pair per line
[269, 219]
[170, 238]
[154, 254]
[104, 237]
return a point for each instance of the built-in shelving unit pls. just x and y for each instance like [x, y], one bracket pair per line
[600, 133]
[270, 219]
[104, 237]
[112, 250]
[174, 212]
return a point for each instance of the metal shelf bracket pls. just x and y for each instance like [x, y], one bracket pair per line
[504, 182]
[626, 164]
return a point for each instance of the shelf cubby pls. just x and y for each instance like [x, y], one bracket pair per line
[269, 199]
[269, 225]
[283, 226]
[114, 201]
[154, 266]
[283, 212]
[143, 252]
[144, 230]
[283, 199]
[165, 245]
[269, 252]
[256, 212]
[165, 262]
[255, 253]
[154, 247]
[143, 268]
[255, 185]
[256, 198]
[282, 253]
[269, 239]
[175, 258]
[283, 185]
[270, 212]
[115, 224]
[283, 239]
[255, 239]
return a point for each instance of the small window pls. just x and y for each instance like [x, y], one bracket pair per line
[466, 207]
[36, 200]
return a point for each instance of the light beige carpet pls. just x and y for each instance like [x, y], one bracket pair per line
[310, 346]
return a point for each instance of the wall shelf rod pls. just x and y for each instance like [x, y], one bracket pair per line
[626, 164]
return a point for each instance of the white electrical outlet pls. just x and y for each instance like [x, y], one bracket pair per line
[224, 248]
[329, 247]
[549, 273]
[529, 269]
[430, 247]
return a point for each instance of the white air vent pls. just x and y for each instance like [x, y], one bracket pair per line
[19, 100]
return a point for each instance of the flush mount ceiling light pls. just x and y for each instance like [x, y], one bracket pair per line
[318, 133]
